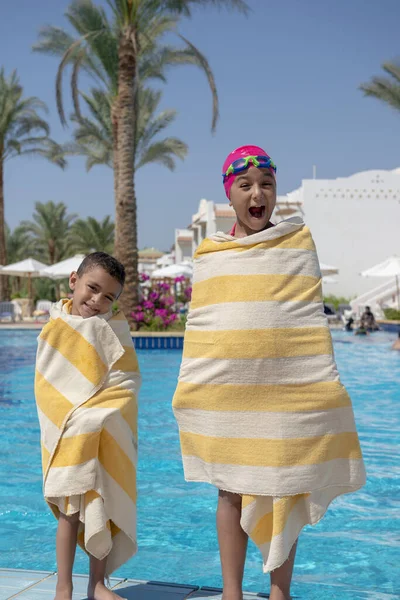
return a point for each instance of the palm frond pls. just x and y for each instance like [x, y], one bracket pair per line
[151, 126]
[53, 40]
[93, 136]
[102, 45]
[203, 63]
[67, 57]
[74, 83]
[164, 153]
[22, 129]
[90, 235]
[183, 6]
[392, 69]
[26, 125]
[386, 89]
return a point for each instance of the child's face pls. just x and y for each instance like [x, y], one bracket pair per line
[253, 197]
[94, 292]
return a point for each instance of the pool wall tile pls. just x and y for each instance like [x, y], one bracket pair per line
[158, 342]
[150, 590]
[208, 593]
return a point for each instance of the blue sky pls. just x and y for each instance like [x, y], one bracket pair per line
[287, 78]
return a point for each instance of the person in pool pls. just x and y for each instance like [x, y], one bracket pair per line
[368, 321]
[396, 344]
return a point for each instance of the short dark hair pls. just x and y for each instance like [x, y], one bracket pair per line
[100, 259]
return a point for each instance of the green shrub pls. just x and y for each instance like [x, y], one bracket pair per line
[391, 314]
[336, 300]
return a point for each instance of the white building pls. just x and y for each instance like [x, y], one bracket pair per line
[209, 219]
[355, 222]
[212, 217]
[148, 259]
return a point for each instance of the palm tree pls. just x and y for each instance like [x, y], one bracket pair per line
[50, 231]
[18, 243]
[121, 55]
[386, 89]
[22, 132]
[19, 246]
[89, 235]
[93, 137]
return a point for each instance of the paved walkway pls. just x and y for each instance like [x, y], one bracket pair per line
[40, 585]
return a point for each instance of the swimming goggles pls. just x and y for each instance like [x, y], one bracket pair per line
[241, 164]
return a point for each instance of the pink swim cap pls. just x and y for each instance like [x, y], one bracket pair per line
[241, 152]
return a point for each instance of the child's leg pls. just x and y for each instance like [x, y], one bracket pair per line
[67, 533]
[232, 544]
[96, 589]
[282, 577]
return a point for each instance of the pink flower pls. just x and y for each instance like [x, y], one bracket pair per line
[165, 287]
[139, 316]
[154, 296]
[148, 305]
[143, 277]
[180, 279]
[161, 312]
[169, 300]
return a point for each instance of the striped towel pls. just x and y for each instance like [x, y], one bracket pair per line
[86, 384]
[259, 404]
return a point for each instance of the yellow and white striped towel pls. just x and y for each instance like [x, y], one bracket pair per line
[86, 385]
[259, 404]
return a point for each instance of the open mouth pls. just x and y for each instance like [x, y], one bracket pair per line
[257, 212]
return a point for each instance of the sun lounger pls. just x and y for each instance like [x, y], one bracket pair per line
[7, 311]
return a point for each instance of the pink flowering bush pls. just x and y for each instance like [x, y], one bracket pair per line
[161, 305]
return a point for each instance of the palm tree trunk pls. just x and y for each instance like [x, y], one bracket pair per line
[51, 247]
[114, 120]
[4, 283]
[125, 219]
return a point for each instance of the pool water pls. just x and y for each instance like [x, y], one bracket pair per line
[352, 553]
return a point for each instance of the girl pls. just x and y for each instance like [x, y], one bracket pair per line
[260, 407]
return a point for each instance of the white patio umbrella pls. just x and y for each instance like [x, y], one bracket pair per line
[173, 271]
[165, 261]
[388, 268]
[64, 268]
[328, 269]
[25, 268]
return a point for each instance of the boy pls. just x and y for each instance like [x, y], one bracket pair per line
[86, 385]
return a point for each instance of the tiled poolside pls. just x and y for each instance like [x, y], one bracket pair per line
[41, 585]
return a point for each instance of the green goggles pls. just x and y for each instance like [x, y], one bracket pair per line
[241, 164]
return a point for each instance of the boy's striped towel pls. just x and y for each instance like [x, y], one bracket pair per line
[259, 404]
[86, 385]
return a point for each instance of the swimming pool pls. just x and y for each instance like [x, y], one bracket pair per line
[353, 553]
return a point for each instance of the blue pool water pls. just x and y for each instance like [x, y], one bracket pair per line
[353, 553]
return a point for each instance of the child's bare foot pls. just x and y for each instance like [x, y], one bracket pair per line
[277, 594]
[101, 592]
[63, 593]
